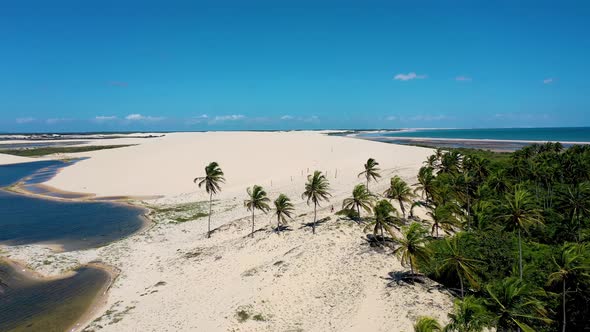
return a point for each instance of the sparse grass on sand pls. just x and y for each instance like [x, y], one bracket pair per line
[37, 152]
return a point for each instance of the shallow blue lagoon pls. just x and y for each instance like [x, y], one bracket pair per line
[73, 225]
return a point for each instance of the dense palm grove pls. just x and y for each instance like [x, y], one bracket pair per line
[507, 234]
[517, 250]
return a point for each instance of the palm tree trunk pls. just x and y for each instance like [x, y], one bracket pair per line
[252, 234]
[563, 306]
[358, 210]
[520, 254]
[209, 221]
[462, 287]
[401, 205]
[315, 208]
[278, 224]
[382, 234]
[411, 268]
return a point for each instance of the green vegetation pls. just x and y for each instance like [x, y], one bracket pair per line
[316, 190]
[212, 181]
[517, 226]
[43, 151]
[371, 171]
[361, 198]
[283, 210]
[257, 200]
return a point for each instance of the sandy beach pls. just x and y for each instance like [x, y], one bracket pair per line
[172, 278]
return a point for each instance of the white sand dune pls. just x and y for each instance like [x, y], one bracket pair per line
[175, 279]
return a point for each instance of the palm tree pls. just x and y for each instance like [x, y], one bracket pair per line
[361, 198]
[576, 201]
[257, 201]
[450, 162]
[519, 212]
[513, 302]
[570, 265]
[426, 182]
[442, 218]
[412, 245]
[469, 315]
[400, 191]
[371, 171]
[212, 181]
[384, 217]
[316, 190]
[427, 324]
[453, 261]
[283, 210]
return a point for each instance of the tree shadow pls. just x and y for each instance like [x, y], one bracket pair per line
[282, 228]
[317, 224]
[400, 278]
[376, 241]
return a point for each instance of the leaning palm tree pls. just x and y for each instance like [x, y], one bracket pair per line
[257, 200]
[283, 210]
[453, 261]
[361, 198]
[400, 191]
[514, 302]
[385, 216]
[212, 181]
[371, 171]
[316, 190]
[569, 266]
[469, 315]
[412, 245]
[519, 212]
[442, 217]
[427, 324]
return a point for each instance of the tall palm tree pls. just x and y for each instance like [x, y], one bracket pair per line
[283, 210]
[519, 212]
[514, 302]
[427, 324]
[412, 245]
[212, 181]
[575, 199]
[384, 217]
[371, 171]
[469, 315]
[361, 198]
[426, 182]
[453, 261]
[570, 265]
[316, 190]
[400, 191]
[257, 200]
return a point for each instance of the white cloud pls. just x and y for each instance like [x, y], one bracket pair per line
[139, 117]
[287, 117]
[463, 79]
[197, 119]
[548, 81]
[103, 118]
[408, 76]
[391, 118]
[24, 120]
[56, 120]
[232, 117]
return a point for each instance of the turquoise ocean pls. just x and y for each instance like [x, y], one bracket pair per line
[578, 134]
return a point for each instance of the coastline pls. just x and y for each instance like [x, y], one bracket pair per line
[168, 265]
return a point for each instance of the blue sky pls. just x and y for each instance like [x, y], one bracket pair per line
[216, 65]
